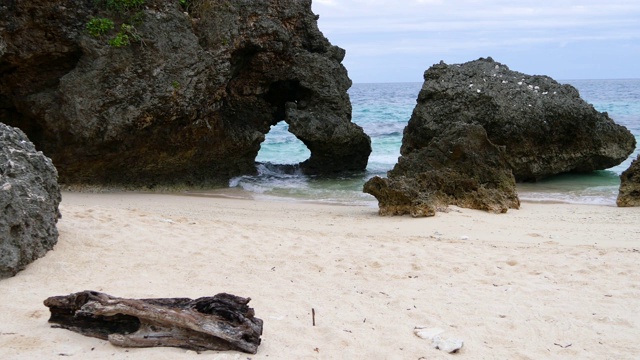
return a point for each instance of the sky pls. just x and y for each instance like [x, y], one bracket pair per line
[396, 41]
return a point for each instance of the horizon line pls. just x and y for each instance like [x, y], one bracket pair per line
[559, 80]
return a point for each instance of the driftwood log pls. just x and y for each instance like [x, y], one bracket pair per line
[221, 322]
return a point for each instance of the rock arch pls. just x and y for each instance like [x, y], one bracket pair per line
[190, 104]
[282, 149]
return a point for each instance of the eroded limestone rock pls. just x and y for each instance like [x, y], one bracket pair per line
[459, 167]
[29, 198]
[188, 102]
[629, 194]
[546, 127]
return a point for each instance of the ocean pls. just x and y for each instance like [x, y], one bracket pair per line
[383, 111]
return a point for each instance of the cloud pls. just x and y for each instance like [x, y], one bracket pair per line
[325, 2]
[355, 17]
[375, 31]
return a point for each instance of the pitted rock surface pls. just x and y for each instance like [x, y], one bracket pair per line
[459, 167]
[629, 194]
[29, 199]
[188, 103]
[546, 128]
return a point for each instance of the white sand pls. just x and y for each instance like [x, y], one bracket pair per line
[549, 281]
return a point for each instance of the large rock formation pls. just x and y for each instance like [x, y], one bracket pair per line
[189, 100]
[629, 194]
[546, 127]
[29, 198]
[459, 167]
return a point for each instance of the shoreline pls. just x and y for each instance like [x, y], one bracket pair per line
[509, 285]
[239, 193]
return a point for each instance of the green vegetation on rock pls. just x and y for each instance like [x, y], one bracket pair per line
[99, 26]
[124, 36]
[123, 5]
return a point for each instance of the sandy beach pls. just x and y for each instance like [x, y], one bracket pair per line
[548, 281]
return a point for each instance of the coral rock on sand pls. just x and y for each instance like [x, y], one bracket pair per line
[460, 167]
[629, 194]
[479, 127]
[29, 198]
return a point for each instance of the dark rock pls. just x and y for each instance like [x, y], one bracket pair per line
[546, 127]
[29, 198]
[458, 167]
[629, 194]
[188, 103]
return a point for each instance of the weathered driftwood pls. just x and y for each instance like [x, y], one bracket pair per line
[221, 322]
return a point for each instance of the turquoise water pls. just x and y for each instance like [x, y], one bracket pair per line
[383, 111]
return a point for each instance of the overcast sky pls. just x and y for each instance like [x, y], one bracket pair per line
[396, 41]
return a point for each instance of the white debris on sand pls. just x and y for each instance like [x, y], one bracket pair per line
[446, 344]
